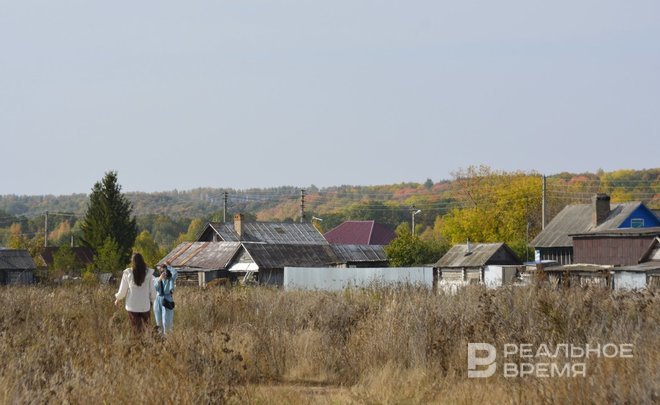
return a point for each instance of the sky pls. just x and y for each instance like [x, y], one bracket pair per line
[245, 93]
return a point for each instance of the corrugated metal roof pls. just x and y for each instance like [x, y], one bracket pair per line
[360, 233]
[360, 253]
[276, 256]
[202, 255]
[16, 259]
[576, 219]
[651, 231]
[480, 255]
[270, 232]
[650, 267]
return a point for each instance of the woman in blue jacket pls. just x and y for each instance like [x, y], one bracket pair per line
[164, 304]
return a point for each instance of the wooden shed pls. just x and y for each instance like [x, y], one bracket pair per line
[616, 247]
[16, 267]
[493, 264]
[582, 275]
[645, 274]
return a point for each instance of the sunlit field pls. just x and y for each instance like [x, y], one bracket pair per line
[260, 345]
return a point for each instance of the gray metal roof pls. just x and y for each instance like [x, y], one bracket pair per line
[650, 231]
[202, 255]
[480, 254]
[360, 253]
[646, 267]
[276, 256]
[16, 259]
[576, 219]
[271, 232]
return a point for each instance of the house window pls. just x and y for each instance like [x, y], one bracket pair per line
[637, 223]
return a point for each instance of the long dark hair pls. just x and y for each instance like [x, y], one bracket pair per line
[139, 269]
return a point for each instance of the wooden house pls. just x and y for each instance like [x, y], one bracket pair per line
[492, 264]
[16, 267]
[264, 263]
[556, 241]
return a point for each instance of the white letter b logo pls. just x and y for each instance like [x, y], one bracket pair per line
[474, 361]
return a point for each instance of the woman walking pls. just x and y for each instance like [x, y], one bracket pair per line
[138, 288]
[164, 304]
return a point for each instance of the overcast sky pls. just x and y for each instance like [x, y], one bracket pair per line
[242, 93]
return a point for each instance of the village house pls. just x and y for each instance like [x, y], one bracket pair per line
[16, 267]
[264, 263]
[556, 241]
[360, 233]
[492, 264]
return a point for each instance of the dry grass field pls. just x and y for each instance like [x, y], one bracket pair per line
[260, 345]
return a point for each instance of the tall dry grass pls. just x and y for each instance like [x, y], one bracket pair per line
[261, 345]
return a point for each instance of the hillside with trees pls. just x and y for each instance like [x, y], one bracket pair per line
[478, 203]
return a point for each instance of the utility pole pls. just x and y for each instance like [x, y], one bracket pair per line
[46, 230]
[543, 205]
[302, 205]
[527, 243]
[224, 207]
[414, 212]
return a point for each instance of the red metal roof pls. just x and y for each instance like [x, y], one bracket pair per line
[360, 233]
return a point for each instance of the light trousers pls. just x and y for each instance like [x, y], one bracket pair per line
[164, 317]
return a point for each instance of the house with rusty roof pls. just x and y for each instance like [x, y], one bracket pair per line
[360, 233]
[556, 241]
[264, 263]
[267, 232]
[16, 267]
[492, 264]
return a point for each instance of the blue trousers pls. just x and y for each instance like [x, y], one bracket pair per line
[164, 317]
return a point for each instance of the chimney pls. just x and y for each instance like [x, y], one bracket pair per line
[600, 204]
[238, 222]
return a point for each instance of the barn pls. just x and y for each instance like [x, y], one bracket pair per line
[16, 267]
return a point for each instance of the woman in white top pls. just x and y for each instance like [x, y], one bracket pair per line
[137, 287]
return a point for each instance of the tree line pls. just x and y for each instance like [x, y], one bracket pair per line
[479, 204]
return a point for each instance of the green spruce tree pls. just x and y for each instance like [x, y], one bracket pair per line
[109, 216]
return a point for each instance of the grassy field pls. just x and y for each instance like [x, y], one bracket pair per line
[259, 345]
